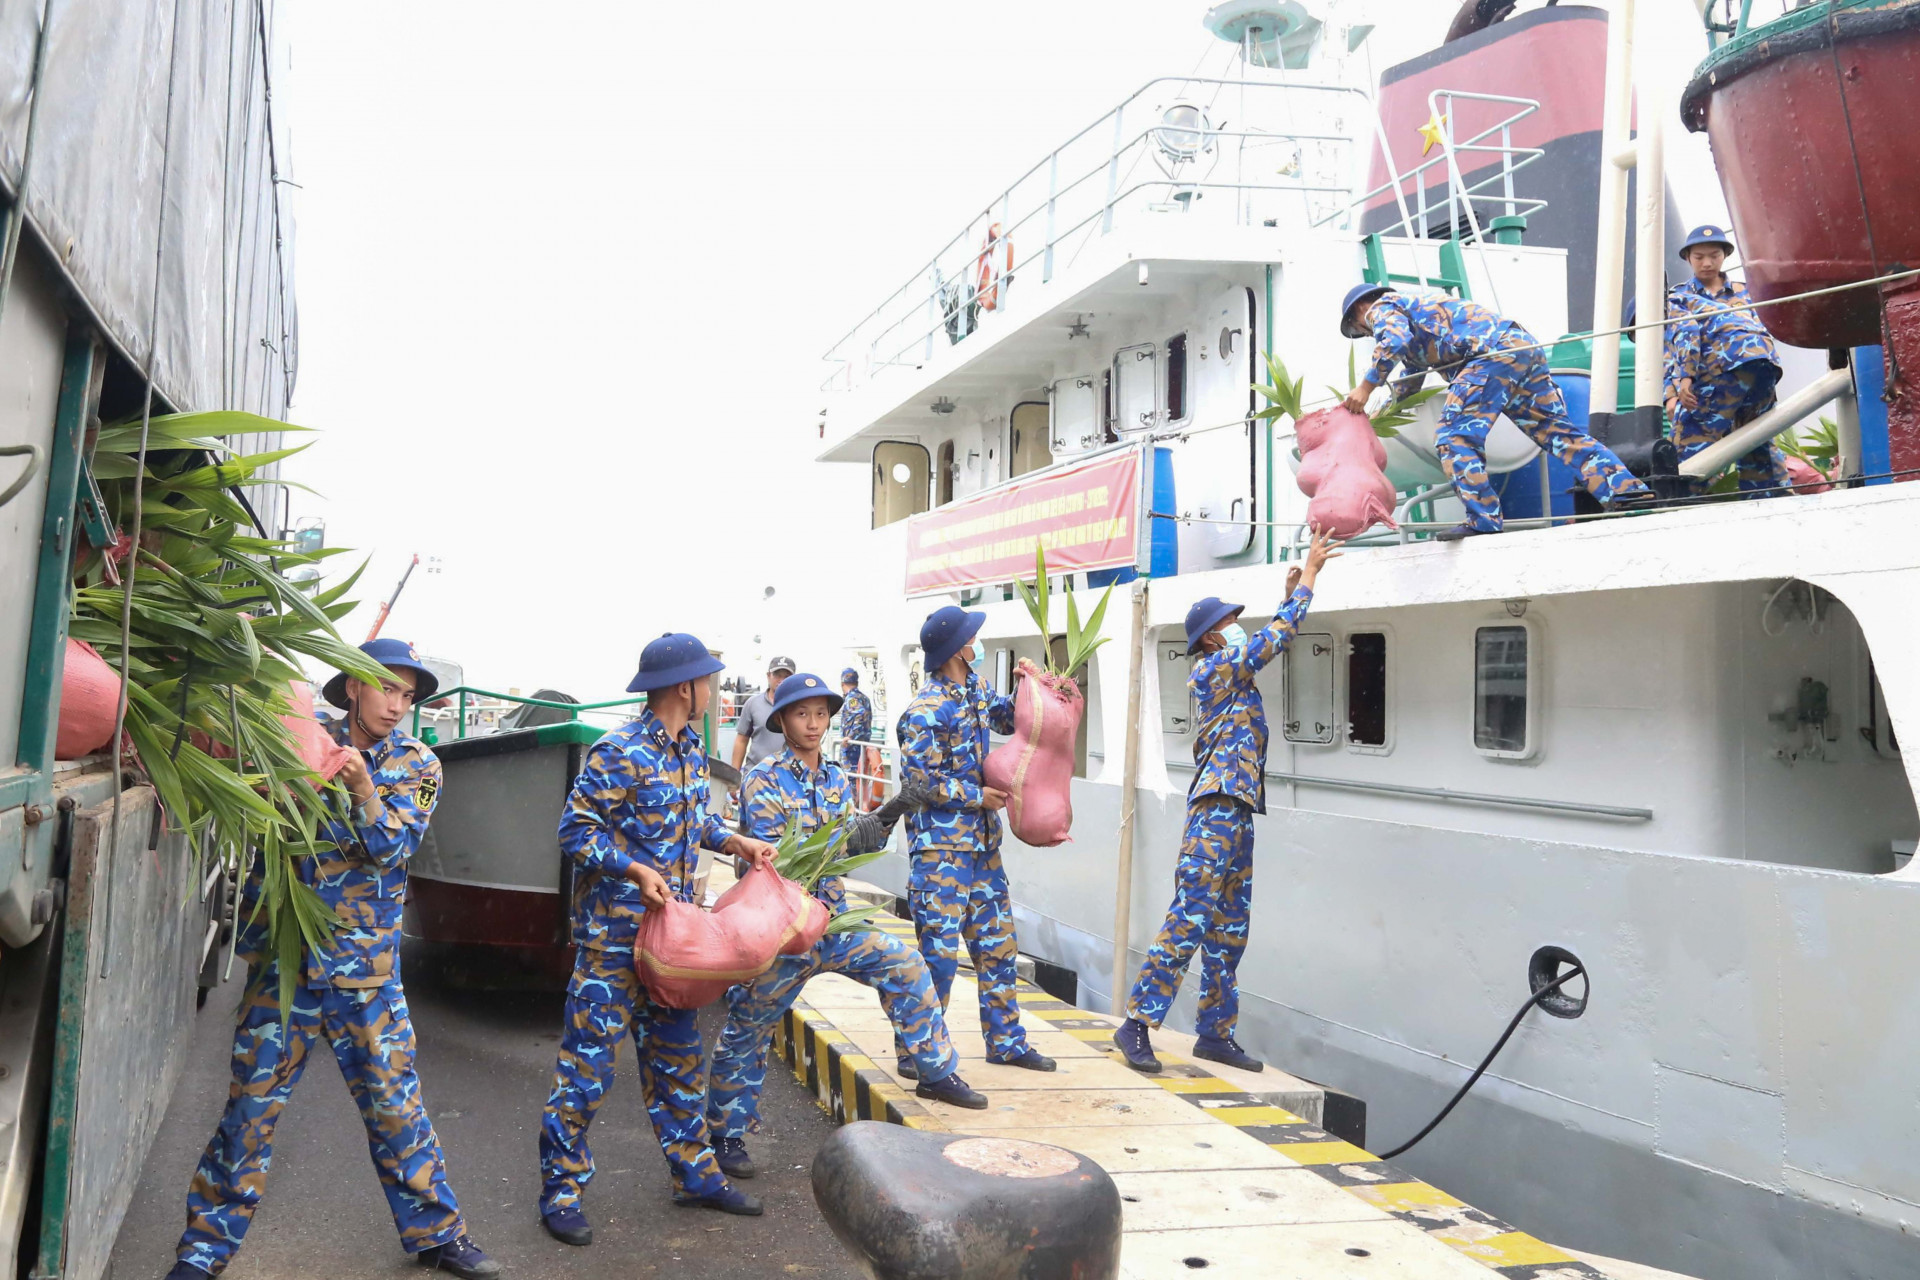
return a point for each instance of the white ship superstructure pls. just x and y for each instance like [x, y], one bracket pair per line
[1667, 743]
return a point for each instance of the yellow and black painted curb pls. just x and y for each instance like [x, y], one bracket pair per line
[850, 1086]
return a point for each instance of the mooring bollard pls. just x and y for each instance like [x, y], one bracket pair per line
[939, 1206]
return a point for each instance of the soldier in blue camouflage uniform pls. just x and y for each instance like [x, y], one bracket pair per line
[348, 991]
[1721, 370]
[1213, 884]
[634, 826]
[856, 722]
[797, 786]
[1479, 352]
[956, 886]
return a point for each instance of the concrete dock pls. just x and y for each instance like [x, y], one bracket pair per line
[1219, 1170]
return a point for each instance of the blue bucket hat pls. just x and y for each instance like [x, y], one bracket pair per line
[1705, 235]
[1206, 615]
[394, 655]
[849, 676]
[673, 658]
[946, 632]
[798, 688]
[1355, 296]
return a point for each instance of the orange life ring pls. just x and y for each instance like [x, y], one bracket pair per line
[989, 268]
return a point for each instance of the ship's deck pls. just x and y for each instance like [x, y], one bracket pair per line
[1214, 1175]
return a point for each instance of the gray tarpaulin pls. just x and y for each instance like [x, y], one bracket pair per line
[152, 103]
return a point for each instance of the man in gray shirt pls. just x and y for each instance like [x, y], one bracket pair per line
[753, 739]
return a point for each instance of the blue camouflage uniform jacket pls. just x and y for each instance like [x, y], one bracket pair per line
[359, 867]
[1705, 347]
[856, 717]
[782, 790]
[1230, 748]
[1424, 333]
[641, 797]
[943, 748]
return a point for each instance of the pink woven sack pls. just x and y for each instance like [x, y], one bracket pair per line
[319, 752]
[1035, 766]
[1343, 469]
[687, 957]
[89, 700]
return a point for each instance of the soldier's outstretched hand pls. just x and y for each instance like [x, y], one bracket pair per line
[1325, 547]
[1026, 667]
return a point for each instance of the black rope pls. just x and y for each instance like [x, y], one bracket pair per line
[1866, 214]
[1487, 1061]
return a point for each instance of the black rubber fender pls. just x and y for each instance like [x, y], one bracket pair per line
[912, 1205]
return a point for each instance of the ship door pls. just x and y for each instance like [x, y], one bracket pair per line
[1076, 414]
[1136, 389]
[1032, 438]
[899, 481]
[1220, 468]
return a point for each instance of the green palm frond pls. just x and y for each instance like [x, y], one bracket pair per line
[217, 631]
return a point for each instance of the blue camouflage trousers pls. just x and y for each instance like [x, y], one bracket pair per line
[959, 895]
[875, 959]
[1517, 384]
[604, 1002]
[1212, 894]
[1730, 401]
[372, 1039]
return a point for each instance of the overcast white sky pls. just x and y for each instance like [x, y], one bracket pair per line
[565, 273]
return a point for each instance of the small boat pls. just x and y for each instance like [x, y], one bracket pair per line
[489, 882]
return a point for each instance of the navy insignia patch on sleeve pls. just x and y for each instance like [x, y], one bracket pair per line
[429, 790]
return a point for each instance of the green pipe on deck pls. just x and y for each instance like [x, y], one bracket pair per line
[52, 587]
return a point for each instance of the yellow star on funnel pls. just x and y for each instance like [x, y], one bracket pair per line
[1433, 131]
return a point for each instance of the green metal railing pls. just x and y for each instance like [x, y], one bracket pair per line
[460, 692]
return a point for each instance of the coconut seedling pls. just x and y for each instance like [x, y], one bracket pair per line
[809, 859]
[215, 631]
[1082, 641]
[1284, 398]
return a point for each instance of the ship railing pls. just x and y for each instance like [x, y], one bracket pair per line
[1493, 194]
[881, 785]
[1090, 183]
[613, 712]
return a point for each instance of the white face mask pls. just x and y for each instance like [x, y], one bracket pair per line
[1234, 634]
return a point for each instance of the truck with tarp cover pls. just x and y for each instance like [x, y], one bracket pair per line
[146, 265]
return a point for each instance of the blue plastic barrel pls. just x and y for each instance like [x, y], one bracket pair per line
[1519, 490]
[1164, 537]
[1870, 378]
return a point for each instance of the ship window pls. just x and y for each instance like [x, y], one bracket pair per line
[1309, 689]
[1106, 407]
[899, 481]
[1176, 377]
[943, 475]
[1367, 689]
[1003, 671]
[1503, 706]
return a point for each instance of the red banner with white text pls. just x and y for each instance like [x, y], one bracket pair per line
[1087, 517]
